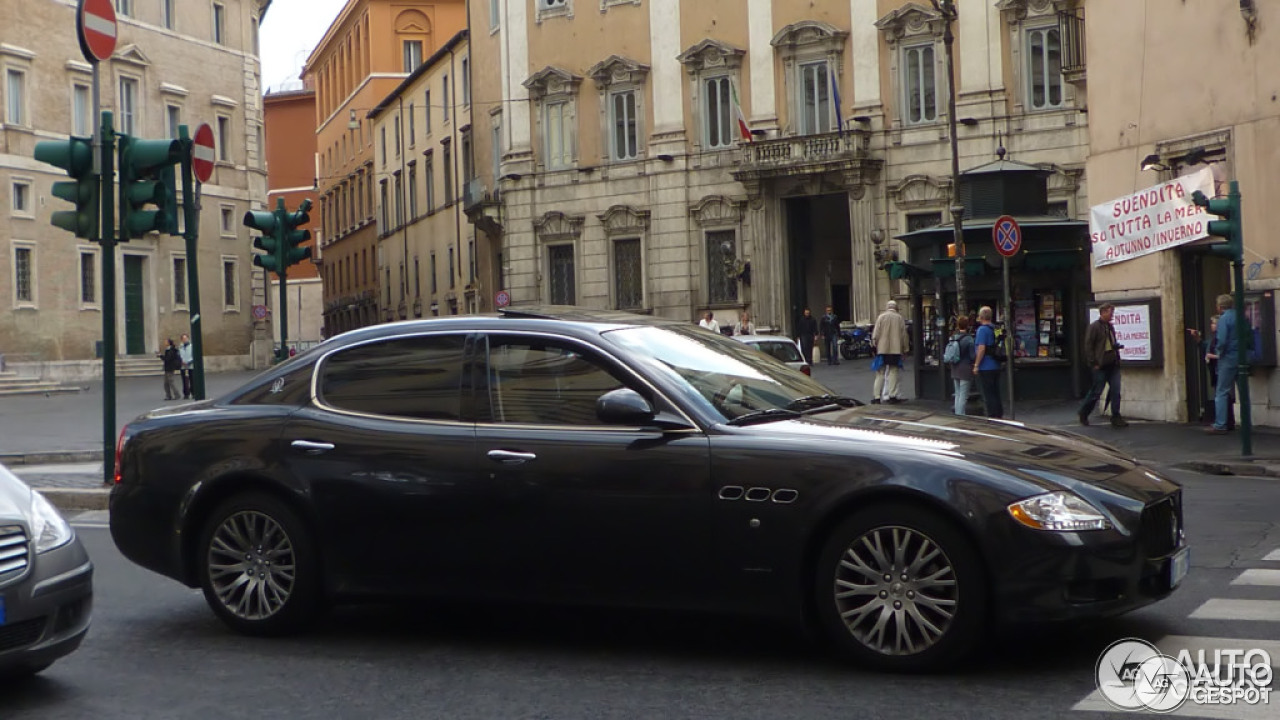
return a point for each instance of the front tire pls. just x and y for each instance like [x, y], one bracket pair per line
[259, 568]
[900, 588]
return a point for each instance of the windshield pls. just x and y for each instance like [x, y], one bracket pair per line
[725, 377]
[783, 350]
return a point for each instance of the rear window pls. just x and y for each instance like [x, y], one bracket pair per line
[292, 388]
[780, 350]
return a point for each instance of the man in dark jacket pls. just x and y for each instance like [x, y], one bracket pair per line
[829, 326]
[806, 330]
[1102, 355]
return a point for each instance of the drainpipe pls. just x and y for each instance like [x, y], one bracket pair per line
[404, 205]
[457, 186]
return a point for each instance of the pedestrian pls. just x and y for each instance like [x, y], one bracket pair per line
[172, 365]
[1102, 355]
[962, 369]
[985, 364]
[185, 353]
[829, 327]
[709, 322]
[1209, 347]
[745, 326]
[1228, 352]
[889, 342]
[806, 331]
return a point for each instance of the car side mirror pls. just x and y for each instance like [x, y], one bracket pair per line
[624, 406]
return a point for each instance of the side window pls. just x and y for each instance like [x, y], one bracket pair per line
[544, 382]
[415, 377]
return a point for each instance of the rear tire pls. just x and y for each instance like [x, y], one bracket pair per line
[900, 588]
[259, 567]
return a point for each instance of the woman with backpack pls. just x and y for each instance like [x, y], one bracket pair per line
[959, 355]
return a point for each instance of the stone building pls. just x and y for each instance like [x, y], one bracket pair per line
[168, 70]
[674, 157]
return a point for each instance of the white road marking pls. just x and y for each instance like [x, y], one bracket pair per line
[1257, 576]
[1231, 609]
[1273, 556]
[1096, 703]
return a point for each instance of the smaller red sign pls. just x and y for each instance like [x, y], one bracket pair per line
[1007, 236]
[96, 26]
[259, 312]
[502, 299]
[202, 153]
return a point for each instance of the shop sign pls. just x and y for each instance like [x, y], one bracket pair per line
[1151, 220]
[1132, 324]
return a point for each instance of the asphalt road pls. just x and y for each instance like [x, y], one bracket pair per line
[156, 651]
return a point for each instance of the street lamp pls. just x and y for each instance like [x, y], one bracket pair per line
[947, 9]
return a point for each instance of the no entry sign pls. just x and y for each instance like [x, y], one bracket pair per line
[202, 153]
[96, 26]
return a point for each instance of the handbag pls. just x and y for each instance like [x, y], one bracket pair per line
[877, 362]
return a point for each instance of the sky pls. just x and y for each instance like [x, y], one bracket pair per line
[289, 33]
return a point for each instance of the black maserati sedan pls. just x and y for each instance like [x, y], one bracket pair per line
[572, 456]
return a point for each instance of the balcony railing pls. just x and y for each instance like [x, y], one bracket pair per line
[805, 149]
[1071, 31]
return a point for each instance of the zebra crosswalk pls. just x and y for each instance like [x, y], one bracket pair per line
[1224, 609]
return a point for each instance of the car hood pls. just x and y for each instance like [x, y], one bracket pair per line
[1026, 450]
[15, 497]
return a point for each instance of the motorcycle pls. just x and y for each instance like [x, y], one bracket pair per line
[855, 342]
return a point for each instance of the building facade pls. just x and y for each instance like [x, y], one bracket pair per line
[1195, 93]
[675, 157]
[168, 70]
[291, 176]
[368, 50]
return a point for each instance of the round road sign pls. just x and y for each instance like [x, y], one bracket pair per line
[1007, 236]
[259, 312]
[96, 26]
[202, 153]
[502, 299]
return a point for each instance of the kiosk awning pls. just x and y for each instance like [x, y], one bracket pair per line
[946, 267]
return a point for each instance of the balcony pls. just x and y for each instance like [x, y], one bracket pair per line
[1071, 30]
[482, 207]
[846, 153]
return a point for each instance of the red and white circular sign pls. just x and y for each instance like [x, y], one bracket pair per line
[502, 299]
[1007, 236]
[202, 153]
[96, 26]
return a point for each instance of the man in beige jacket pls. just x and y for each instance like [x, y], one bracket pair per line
[889, 338]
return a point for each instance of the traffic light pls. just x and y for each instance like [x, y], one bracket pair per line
[147, 178]
[1228, 227]
[290, 249]
[268, 224]
[75, 155]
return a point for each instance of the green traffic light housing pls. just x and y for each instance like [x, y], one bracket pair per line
[147, 178]
[1228, 227]
[75, 156]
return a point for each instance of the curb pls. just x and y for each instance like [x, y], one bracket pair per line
[1240, 468]
[66, 499]
[56, 457]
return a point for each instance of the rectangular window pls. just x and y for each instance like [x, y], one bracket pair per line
[444, 95]
[219, 18]
[23, 267]
[718, 102]
[382, 138]
[124, 7]
[426, 109]
[918, 79]
[920, 221]
[722, 287]
[466, 82]
[81, 110]
[495, 17]
[224, 138]
[395, 126]
[127, 105]
[560, 274]
[399, 188]
[495, 148]
[471, 261]
[451, 275]
[622, 117]
[468, 161]
[180, 281]
[1044, 54]
[412, 55]
[173, 118]
[627, 274]
[435, 277]
[404, 283]
[386, 218]
[20, 198]
[429, 177]
[417, 278]
[230, 284]
[413, 191]
[815, 94]
[16, 94]
[446, 161]
[88, 278]
[228, 220]
[412, 127]
[557, 131]
[167, 16]
[387, 273]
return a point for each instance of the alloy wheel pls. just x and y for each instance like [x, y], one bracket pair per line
[251, 565]
[896, 591]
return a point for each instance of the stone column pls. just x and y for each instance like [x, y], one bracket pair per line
[862, 217]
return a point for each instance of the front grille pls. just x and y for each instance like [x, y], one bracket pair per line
[21, 634]
[1162, 526]
[14, 551]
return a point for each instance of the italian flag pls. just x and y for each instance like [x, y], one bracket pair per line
[744, 130]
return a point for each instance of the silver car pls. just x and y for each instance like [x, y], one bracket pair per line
[782, 349]
[46, 581]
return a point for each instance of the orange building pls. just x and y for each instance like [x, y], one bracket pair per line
[291, 175]
[368, 50]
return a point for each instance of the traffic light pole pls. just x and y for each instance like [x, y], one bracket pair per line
[1243, 332]
[282, 272]
[191, 233]
[106, 180]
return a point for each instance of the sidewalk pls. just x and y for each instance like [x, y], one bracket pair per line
[55, 442]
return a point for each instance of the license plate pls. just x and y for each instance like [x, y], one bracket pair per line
[1179, 564]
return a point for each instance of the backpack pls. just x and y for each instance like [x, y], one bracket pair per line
[999, 353]
[951, 355]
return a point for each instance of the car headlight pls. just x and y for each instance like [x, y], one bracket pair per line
[48, 526]
[1059, 511]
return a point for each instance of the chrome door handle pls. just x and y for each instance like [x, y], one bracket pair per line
[312, 448]
[507, 457]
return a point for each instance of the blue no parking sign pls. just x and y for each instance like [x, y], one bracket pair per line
[1007, 236]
